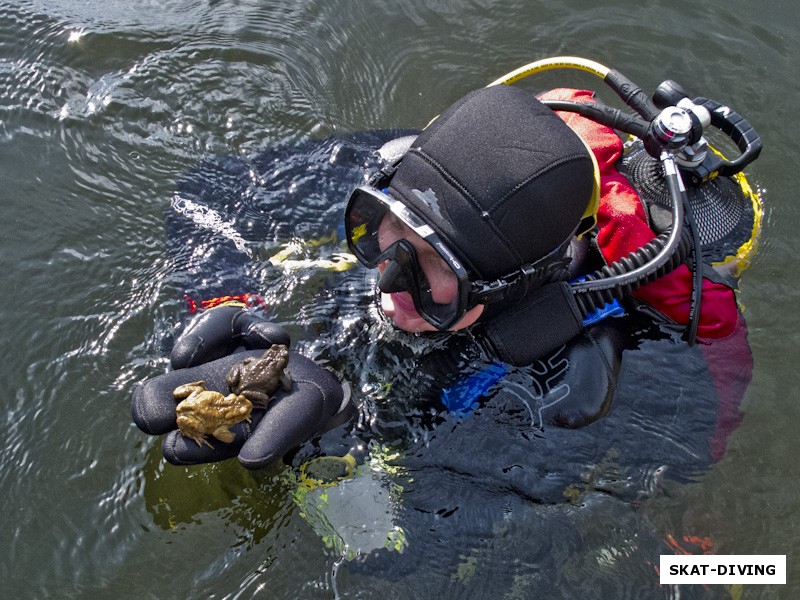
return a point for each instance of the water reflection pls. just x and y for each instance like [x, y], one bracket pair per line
[176, 497]
[105, 108]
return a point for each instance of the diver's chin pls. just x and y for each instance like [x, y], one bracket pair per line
[399, 308]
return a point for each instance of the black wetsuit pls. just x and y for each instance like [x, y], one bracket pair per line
[515, 466]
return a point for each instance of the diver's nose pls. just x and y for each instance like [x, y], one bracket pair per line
[394, 279]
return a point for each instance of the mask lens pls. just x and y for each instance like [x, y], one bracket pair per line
[363, 216]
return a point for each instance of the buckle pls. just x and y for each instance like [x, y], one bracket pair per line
[489, 292]
[380, 178]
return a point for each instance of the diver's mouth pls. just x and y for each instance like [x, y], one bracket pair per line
[399, 308]
[403, 302]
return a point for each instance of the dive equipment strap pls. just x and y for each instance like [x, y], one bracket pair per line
[536, 326]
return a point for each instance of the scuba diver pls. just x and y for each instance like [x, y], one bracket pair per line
[550, 320]
[510, 222]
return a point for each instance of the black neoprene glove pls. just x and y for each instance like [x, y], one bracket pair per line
[205, 351]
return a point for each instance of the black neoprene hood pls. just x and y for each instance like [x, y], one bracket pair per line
[500, 177]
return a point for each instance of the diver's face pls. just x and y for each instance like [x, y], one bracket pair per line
[399, 306]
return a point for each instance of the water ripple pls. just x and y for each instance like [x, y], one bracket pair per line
[104, 109]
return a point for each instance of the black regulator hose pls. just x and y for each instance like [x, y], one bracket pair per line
[631, 94]
[590, 300]
[697, 279]
[605, 115]
[660, 256]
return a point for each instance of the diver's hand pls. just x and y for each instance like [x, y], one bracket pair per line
[217, 332]
[290, 420]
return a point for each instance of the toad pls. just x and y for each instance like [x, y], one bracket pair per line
[203, 412]
[258, 378]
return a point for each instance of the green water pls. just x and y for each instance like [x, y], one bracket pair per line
[105, 105]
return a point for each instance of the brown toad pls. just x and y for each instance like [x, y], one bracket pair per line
[203, 412]
[258, 378]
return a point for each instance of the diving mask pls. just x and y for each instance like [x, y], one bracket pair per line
[370, 212]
